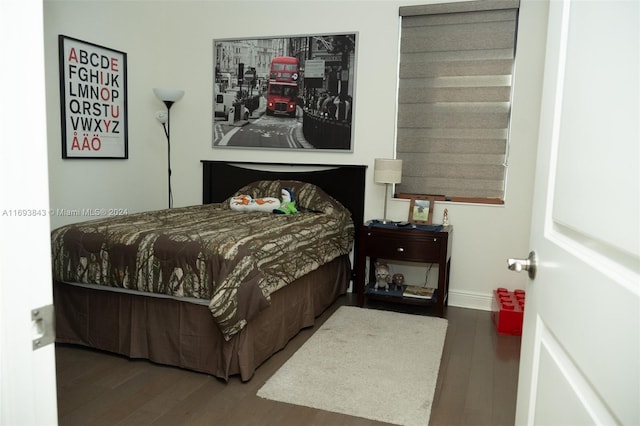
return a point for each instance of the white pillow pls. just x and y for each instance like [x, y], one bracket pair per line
[245, 203]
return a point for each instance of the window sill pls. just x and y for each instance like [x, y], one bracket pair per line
[469, 200]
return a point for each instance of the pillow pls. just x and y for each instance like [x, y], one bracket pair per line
[246, 203]
[308, 197]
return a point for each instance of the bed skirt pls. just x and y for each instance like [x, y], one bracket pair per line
[183, 334]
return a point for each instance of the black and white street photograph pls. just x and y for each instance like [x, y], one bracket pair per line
[284, 93]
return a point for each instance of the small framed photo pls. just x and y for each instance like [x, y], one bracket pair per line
[421, 210]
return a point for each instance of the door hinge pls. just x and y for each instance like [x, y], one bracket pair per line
[43, 326]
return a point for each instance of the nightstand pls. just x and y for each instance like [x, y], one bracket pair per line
[414, 243]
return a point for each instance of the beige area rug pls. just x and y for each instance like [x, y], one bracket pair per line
[367, 363]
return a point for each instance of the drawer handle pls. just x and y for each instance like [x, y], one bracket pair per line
[400, 249]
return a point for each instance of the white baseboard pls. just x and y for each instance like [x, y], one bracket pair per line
[470, 300]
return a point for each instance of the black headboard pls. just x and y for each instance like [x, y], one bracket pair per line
[345, 183]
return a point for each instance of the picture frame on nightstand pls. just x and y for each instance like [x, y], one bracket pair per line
[421, 210]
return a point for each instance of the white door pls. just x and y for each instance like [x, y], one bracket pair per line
[27, 376]
[580, 354]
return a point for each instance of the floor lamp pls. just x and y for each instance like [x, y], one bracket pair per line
[168, 96]
[387, 171]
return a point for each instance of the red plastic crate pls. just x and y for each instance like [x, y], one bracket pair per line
[508, 311]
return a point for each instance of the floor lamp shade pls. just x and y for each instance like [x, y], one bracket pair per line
[171, 95]
[387, 171]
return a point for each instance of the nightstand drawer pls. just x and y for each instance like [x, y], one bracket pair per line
[416, 248]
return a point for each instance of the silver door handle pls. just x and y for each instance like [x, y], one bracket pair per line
[529, 264]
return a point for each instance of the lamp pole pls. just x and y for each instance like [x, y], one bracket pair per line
[168, 97]
[167, 131]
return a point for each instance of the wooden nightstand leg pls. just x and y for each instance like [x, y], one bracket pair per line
[359, 281]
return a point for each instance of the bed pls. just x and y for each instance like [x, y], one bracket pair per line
[188, 287]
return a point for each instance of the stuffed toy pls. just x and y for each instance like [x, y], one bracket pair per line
[383, 276]
[398, 280]
[288, 204]
[246, 203]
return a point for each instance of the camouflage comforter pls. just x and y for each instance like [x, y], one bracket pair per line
[236, 260]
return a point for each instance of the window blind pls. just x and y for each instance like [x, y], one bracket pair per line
[454, 97]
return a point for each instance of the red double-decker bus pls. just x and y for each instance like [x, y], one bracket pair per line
[282, 91]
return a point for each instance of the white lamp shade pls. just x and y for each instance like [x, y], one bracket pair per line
[387, 171]
[172, 95]
[162, 116]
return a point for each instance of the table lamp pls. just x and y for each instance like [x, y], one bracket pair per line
[387, 171]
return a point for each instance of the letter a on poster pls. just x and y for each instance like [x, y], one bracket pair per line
[93, 99]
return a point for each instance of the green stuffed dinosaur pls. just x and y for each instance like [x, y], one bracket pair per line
[288, 204]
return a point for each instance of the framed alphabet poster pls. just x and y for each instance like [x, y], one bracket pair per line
[93, 100]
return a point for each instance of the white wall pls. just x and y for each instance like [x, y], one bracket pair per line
[169, 44]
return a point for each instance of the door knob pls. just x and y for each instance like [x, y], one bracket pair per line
[529, 264]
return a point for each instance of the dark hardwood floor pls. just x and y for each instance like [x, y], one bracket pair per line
[476, 385]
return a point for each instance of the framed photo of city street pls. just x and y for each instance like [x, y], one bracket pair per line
[290, 92]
